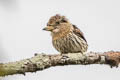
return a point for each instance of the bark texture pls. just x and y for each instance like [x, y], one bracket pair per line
[43, 61]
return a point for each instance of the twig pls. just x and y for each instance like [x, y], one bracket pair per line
[43, 61]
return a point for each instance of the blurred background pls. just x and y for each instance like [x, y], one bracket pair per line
[21, 34]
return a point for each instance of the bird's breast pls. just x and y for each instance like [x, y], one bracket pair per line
[59, 35]
[70, 43]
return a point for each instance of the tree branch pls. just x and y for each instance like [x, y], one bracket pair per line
[43, 61]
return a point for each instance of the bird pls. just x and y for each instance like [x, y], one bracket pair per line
[66, 37]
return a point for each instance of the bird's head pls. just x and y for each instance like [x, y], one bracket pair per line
[55, 22]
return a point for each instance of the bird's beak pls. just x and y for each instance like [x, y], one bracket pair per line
[48, 28]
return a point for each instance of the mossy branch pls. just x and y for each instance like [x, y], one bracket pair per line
[43, 61]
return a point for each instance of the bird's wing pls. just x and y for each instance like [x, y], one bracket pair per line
[78, 32]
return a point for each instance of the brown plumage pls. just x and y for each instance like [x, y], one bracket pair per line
[66, 37]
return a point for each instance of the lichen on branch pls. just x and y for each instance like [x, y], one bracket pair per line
[43, 61]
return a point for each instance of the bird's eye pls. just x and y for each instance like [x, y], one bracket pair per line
[64, 20]
[57, 22]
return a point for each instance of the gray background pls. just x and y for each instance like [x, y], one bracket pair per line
[21, 35]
